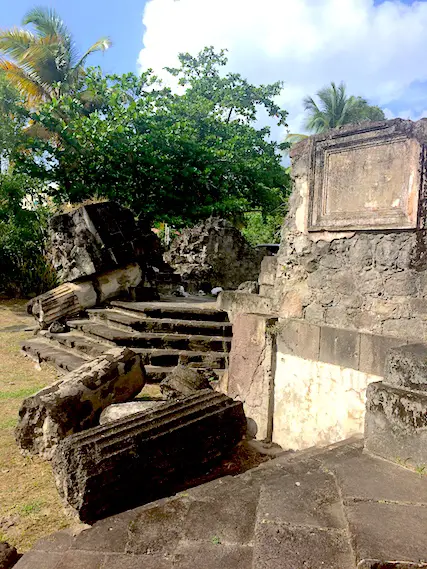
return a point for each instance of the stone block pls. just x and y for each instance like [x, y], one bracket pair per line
[132, 461]
[234, 302]
[401, 284]
[339, 347]
[407, 328]
[251, 371]
[267, 275]
[266, 290]
[92, 239]
[183, 381]
[396, 424]
[75, 402]
[406, 367]
[373, 352]
[298, 338]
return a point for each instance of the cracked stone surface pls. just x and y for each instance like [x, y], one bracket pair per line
[331, 508]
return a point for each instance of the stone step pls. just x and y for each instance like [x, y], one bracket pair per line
[171, 358]
[42, 350]
[77, 342]
[117, 336]
[126, 320]
[177, 310]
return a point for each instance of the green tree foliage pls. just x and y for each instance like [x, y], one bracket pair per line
[23, 265]
[13, 117]
[42, 62]
[24, 269]
[175, 157]
[335, 108]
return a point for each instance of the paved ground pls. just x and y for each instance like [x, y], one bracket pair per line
[335, 508]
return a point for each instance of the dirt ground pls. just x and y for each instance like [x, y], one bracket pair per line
[29, 504]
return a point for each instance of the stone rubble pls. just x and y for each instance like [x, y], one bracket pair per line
[183, 381]
[214, 252]
[75, 402]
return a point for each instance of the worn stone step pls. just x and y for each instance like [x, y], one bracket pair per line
[79, 343]
[153, 340]
[44, 351]
[176, 310]
[172, 358]
[125, 320]
[144, 456]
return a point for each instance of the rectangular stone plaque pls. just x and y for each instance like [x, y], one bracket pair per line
[365, 179]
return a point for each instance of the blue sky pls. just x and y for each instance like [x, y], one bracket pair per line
[377, 47]
[90, 20]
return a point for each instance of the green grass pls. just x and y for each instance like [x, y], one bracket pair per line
[31, 508]
[8, 423]
[20, 393]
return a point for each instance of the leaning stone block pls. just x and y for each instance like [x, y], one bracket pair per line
[92, 239]
[406, 366]
[137, 459]
[396, 424]
[75, 402]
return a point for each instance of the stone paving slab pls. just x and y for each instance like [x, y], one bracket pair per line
[332, 508]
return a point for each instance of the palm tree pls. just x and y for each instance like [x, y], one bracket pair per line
[336, 108]
[44, 63]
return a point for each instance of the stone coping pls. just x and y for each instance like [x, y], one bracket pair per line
[347, 348]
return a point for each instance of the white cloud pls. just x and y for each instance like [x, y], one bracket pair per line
[378, 50]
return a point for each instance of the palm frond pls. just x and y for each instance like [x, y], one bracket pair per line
[101, 45]
[16, 42]
[47, 22]
[22, 80]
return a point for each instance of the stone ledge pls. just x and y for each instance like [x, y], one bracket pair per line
[338, 346]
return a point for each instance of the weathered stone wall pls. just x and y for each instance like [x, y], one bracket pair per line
[370, 280]
[350, 280]
[214, 252]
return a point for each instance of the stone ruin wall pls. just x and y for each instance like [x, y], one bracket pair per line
[371, 281]
[350, 280]
[354, 289]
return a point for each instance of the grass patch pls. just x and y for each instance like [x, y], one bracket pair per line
[8, 423]
[20, 393]
[30, 507]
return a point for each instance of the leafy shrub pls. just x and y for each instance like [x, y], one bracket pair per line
[24, 268]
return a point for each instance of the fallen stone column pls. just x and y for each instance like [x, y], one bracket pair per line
[137, 459]
[68, 299]
[75, 401]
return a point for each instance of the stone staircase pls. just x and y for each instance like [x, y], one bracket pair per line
[166, 333]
